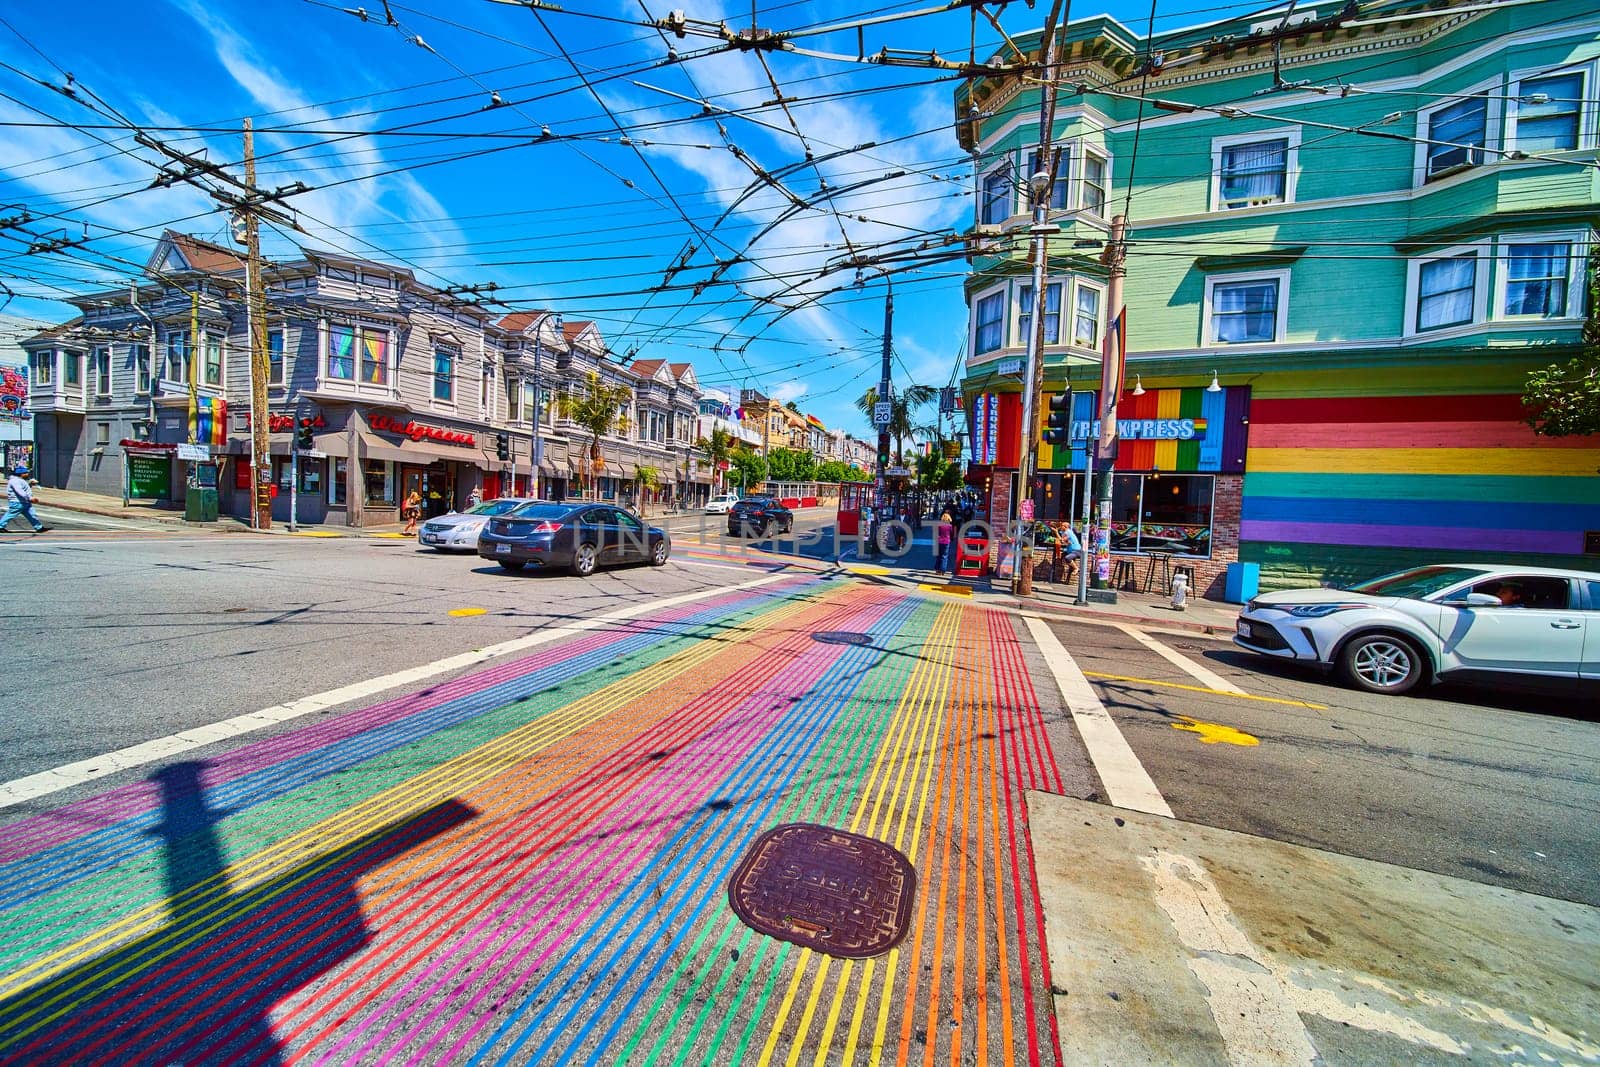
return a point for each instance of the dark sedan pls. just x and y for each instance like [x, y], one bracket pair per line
[759, 515]
[577, 537]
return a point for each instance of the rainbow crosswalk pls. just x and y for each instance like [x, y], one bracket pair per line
[529, 863]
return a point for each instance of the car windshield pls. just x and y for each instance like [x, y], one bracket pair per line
[1416, 584]
[493, 507]
[540, 509]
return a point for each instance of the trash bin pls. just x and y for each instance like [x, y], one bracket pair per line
[1243, 581]
[200, 505]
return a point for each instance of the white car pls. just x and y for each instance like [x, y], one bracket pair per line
[458, 531]
[721, 505]
[1453, 621]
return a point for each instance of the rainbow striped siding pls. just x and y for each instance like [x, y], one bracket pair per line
[1219, 444]
[1416, 472]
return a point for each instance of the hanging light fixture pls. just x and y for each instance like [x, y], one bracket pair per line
[1215, 386]
[1138, 385]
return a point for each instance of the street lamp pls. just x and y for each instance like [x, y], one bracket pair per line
[1039, 184]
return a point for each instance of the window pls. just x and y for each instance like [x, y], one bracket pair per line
[73, 364]
[1052, 314]
[100, 360]
[1548, 110]
[991, 322]
[513, 399]
[1086, 318]
[378, 476]
[1246, 310]
[1446, 291]
[102, 434]
[213, 360]
[1537, 279]
[486, 392]
[139, 357]
[1535, 592]
[375, 357]
[350, 345]
[1154, 512]
[444, 375]
[336, 484]
[1252, 173]
[275, 358]
[310, 475]
[1454, 136]
[177, 356]
[996, 203]
[1058, 190]
[1092, 190]
[43, 367]
[341, 353]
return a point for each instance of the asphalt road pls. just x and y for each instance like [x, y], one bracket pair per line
[1491, 786]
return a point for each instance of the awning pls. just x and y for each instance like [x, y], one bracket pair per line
[421, 453]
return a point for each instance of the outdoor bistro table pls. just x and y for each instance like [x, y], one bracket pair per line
[1163, 558]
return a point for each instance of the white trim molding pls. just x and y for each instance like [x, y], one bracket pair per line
[1280, 327]
[1480, 287]
[1291, 174]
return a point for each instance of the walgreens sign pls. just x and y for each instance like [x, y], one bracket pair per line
[418, 432]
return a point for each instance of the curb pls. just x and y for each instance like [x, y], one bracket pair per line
[1211, 629]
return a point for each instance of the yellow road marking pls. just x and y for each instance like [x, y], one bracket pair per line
[868, 570]
[397, 536]
[1212, 733]
[464, 612]
[1203, 689]
[953, 590]
[315, 533]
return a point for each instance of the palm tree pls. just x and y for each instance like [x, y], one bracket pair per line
[903, 406]
[647, 478]
[718, 448]
[598, 408]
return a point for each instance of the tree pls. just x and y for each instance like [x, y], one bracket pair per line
[718, 447]
[1563, 399]
[598, 409]
[902, 411]
[749, 466]
[833, 471]
[791, 465]
[647, 478]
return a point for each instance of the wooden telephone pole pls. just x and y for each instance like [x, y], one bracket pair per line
[256, 318]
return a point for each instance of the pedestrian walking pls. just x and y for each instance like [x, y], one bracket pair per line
[943, 534]
[19, 501]
[475, 497]
[412, 510]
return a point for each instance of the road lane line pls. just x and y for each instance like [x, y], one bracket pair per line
[1203, 689]
[1128, 784]
[1204, 675]
[43, 783]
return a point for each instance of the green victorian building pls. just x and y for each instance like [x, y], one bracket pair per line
[1352, 232]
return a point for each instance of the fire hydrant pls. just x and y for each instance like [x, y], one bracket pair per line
[1180, 592]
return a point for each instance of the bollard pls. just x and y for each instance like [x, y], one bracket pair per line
[1180, 592]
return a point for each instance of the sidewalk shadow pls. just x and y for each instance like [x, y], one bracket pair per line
[200, 988]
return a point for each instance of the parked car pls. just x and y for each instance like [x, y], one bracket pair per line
[721, 505]
[578, 537]
[1452, 621]
[759, 516]
[458, 531]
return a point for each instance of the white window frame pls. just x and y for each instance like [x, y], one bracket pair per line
[102, 436]
[978, 298]
[72, 359]
[283, 358]
[1480, 293]
[1024, 336]
[1063, 181]
[1084, 152]
[100, 360]
[1588, 111]
[208, 339]
[1002, 169]
[184, 364]
[434, 399]
[513, 393]
[1490, 89]
[1280, 326]
[42, 367]
[142, 372]
[1291, 163]
[1099, 317]
[1577, 266]
[356, 381]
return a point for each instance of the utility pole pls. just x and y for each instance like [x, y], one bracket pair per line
[885, 388]
[1111, 373]
[256, 318]
[538, 411]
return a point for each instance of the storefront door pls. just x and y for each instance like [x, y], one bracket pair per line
[438, 491]
[412, 480]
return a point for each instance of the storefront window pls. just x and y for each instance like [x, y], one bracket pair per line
[336, 483]
[1153, 512]
[310, 475]
[379, 478]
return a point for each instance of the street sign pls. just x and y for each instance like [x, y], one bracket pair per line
[1010, 368]
[195, 453]
[311, 453]
[882, 413]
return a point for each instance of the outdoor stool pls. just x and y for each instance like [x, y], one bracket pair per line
[1123, 576]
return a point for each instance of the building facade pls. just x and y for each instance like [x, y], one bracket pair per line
[403, 387]
[1328, 331]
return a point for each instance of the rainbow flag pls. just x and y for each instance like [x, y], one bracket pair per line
[211, 420]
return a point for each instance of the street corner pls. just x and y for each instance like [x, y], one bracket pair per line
[1176, 942]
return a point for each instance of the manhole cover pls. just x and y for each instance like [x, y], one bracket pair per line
[837, 892]
[842, 637]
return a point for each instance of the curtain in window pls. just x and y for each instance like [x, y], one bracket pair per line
[1463, 124]
[443, 376]
[1445, 290]
[1094, 185]
[1252, 173]
[1052, 314]
[341, 352]
[1086, 324]
[1536, 279]
[1246, 311]
[374, 357]
[990, 312]
[996, 197]
[1551, 126]
[1058, 191]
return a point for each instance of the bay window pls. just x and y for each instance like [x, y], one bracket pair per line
[1052, 314]
[1093, 186]
[1537, 279]
[1548, 112]
[177, 356]
[1086, 318]
[1454, 136]
[991, 315]
[1446, 291]
[213, 360]
[995, 206]
[1058, 189]
[363, 349]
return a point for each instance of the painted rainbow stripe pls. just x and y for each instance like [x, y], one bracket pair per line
[528, 863]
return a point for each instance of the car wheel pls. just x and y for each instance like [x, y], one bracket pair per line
[764, 528]
[583, 560]
[1381, 663]
[658, 556]
[788, 526]
[512, 565]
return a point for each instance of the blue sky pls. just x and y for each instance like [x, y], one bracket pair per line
[411, 160]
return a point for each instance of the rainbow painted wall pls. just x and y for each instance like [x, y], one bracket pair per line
[1220, 423]
[1441, 475]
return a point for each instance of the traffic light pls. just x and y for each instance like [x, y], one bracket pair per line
[502, 446]
[302, 436]
[1058, 429]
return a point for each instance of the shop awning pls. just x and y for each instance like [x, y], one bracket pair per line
[421, 453]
